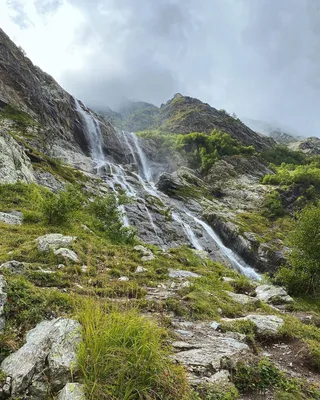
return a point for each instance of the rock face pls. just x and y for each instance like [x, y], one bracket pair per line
[273, 294]
[53, 241]
[72, 391]
[3, 300]
[310, 146]
[45, 361]
[14, 164]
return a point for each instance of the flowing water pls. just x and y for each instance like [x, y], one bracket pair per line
[197, 232]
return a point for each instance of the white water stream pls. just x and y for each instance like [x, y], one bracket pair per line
[144, 177]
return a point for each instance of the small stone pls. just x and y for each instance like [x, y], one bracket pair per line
[228, 279]
[140, 269]
[3, 300]
[123, 279]
[60, 266]
[67, 253]
[183, 332]
[84, 268]
[214, 325]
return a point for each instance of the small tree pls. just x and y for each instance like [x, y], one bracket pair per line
[303, 276]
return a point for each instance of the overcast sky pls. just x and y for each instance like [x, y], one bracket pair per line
[257, 58]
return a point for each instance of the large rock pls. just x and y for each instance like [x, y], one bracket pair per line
[14, 267]
[272, 294]
[182, 274]
[3, 300]
[67, 254]
[146, 253]
[242, 299]
[12, 218]
[53, 241]
[265, 325]
[72, 391]
[14, 164]
[48, 357]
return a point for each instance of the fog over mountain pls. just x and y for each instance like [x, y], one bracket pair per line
[257, 58]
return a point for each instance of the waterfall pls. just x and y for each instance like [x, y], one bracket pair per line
[93, 134]
[143, 159]
[189, 232]
[241, 267]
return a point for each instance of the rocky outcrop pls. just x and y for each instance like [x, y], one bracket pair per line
[273, 294]
[14, 164]
[309, 146]
[44, 364]
[53, 241]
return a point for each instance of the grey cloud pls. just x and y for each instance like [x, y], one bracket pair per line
[19, 15]
[259, 58]
[47, 6]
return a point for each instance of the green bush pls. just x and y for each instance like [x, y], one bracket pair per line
[282, 154]
[123, 357]
[108, 218]
[203, 150]
[303, 276]
[272, 205]
[57, 209]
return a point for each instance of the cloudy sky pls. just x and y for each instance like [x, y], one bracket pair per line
[257, 58]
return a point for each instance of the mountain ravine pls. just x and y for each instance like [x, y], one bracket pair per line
[141, 250]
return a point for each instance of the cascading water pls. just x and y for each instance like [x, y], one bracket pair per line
[93, 134]
[189, 232]
[143, 159]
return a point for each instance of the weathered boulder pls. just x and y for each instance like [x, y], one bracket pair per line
[72, 391]
[242, 299]
[265, 325]
[181, 274]
[67, 254]
[3, 300]
[13, 266]
[14, 164]
[47, 358]
[11, 218]
[146, 253]
[272, 294]
[53, 241]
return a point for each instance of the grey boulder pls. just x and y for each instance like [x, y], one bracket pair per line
[53, 241]
[272, 294]
[11, 218]
[67, 254]
[47, 358]
[72, 391]
[13, 266]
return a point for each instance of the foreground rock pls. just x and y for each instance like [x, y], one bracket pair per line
[14, 267]
[45, 362]
[53, 241]
[242, 299]
[12, 218]
[265, 325]
[72, 391]
[3, 300]
[204, 351]
[273, 294]
[67, 254]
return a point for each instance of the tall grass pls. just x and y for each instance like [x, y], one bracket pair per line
[123, 356]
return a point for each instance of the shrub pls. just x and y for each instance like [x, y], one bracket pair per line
[282, 154]
[123, 356]
[58, 208]
[303, 276]
[273, 207]
[108, 218]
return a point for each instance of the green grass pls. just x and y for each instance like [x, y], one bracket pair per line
[123, 356]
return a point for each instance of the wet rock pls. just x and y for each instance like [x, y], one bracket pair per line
[53, 241]
[181, 274]
[15, 267]
[48, 356]
[3, 300]
[146, 253]
[12, 218]
[68, 254]
[72, 391]
[242, 299]
[273, 294]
